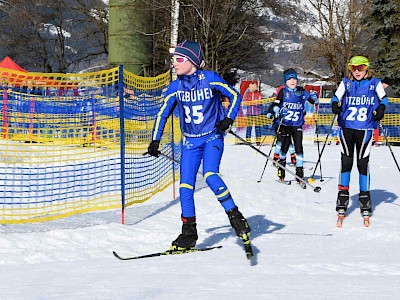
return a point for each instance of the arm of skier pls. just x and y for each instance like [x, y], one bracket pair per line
[379, 112]
[230, 92]
[337, 99]
[165, 111]
[274, 109]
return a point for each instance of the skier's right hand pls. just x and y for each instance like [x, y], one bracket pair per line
[270, 116]
[276, 110]
[336, 107]
[153, 148]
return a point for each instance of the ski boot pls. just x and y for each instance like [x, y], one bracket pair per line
[187, 239]
[343, 198]
[293, 158]
[281, 171]
[364, 200]
[300, 173]
[242, 229]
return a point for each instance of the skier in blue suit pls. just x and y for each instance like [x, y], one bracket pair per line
[289, 105]
[360, 103]
[203, 123]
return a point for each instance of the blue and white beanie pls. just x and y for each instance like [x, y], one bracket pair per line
[289, 74]
[191, 50]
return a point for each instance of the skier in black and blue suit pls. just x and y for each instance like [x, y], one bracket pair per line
[360, 103]
[289, 105]
[203, 123]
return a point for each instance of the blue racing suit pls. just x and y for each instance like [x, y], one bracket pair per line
[358, 100]
[198, 97]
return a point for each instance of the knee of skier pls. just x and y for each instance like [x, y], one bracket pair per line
[186, 190]
[347, 163]
[362, 166]
[213, 180]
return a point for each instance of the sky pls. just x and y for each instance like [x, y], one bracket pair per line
[299, 251]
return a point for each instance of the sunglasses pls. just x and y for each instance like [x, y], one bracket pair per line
[359, 68]
[179, 60]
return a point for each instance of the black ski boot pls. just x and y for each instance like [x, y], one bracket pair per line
[242, 229]
[238, 222]
[187, 239]
[342, 199]
[300, 173]
[364, 200]
[281, 171]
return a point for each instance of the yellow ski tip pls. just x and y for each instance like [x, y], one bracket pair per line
[311, 180]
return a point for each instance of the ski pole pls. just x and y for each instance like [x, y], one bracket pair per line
[316, 125]
[387, 142]
[316, 189]
[283, 108]
[262, 142]
[270, 150]
[166, 156]
[311, 179]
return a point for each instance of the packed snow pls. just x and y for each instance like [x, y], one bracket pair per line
[300, 253]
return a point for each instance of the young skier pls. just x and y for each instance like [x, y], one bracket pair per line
[360, 103]
[278, 145]
[203, 123]
[291, 100]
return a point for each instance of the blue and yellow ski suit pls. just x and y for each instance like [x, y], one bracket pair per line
[198, 97]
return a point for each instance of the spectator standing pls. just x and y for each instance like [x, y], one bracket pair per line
[253, 109]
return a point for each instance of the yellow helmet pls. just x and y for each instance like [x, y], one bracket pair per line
[358, 61]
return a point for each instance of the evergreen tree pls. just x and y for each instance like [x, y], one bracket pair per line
[385, 20]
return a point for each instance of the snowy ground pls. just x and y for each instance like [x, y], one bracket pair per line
[300, 254]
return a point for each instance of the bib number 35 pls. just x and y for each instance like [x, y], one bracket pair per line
[195, 115]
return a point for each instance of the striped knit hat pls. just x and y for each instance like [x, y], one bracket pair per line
[191, 50]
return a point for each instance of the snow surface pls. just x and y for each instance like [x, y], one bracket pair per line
[300, 254]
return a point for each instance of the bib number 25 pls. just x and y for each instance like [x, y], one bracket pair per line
[194, 115]
[292, 116]
[359, 114]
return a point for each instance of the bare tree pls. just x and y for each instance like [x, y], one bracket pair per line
[337, 33]
[232, 33]
[53, 35]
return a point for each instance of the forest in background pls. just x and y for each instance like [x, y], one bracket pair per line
[236, 35]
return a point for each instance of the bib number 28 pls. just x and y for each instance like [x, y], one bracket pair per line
[359, 114]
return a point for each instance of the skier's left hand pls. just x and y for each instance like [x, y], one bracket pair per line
[153, 148]
[224, 125]
[379, 112]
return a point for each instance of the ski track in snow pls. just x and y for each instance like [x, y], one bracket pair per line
[300, 254]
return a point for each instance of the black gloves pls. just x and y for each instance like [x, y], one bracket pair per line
[336, 107]
[153, 148]
[379, 112]
[223, 125]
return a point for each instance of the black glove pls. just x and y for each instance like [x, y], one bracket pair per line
[336, 107]
[379, 112]
[153, 148]
[224, 125]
